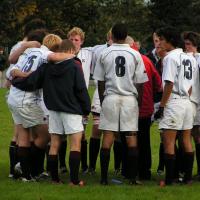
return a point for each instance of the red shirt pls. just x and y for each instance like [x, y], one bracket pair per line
[153, 85]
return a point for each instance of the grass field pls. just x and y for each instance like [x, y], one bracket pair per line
[16, 190]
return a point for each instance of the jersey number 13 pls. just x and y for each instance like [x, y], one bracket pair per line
[187, 69]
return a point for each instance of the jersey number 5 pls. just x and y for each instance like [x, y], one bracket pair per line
[187, 69]
[29, 64]
[119, 67]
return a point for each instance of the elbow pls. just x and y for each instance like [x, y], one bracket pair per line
[12, 59]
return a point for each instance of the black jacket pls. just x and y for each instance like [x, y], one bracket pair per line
[63, 86]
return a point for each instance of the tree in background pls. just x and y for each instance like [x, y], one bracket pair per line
[176, 13]
[96, 17]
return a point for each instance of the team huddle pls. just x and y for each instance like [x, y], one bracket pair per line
[49, 102]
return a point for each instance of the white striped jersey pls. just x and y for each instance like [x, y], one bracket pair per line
[178, 68]
[30, 60]
[85, 55]
[96, 52]
[195, 95]
[121, 68]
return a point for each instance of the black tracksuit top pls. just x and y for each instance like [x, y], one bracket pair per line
[63, 85]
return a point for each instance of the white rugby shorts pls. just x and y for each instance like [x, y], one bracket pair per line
[96, 106]
[119, 113]
[28, 115]
[64, 123]
[178, 114]
[197, 117]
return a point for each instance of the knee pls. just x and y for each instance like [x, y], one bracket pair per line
[75, 146]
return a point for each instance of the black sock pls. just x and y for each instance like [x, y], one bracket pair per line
[24, 154]
[84, 165]
[62, 153]
[53, 166]
[161, 158]
[13, 156]
[197, 146]
[104, 160]
[169, 168]
[41, 160]
[132, 160]
[188, 159]
[124, 171]
[47, 154]
[117, 148]
[74, 164]
[93, 152]
[177, 166]
[37, 160]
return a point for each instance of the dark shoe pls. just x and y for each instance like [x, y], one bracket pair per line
[117, 172]
[85, 171]
[63, 170]
[135, 182]
[189, 183]
[104, 182]
[160, 172]
[91, 171]
[58, 182]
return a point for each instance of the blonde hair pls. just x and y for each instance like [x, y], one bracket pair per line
[52, 41]
[129, 40]
[77, 31]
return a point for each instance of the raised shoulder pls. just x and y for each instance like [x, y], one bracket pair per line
[120, 48]
[89, 49]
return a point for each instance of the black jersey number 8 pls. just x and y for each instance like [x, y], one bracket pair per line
[29, 64]
[119, 67]
[187, 69]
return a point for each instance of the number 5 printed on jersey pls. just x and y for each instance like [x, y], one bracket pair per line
[29, 64]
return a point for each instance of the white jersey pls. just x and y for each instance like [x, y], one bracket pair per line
[96, 52]
[96, 107]
[85, 55]
[178, 68]
[195, 95]
[121, 68]
[30, 60]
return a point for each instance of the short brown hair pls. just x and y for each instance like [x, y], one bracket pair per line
[37, 35]
[66, 46]
[52, 42]
[77, 31]
[193, 37]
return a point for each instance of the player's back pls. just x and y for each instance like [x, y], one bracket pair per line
[121, 65]
[96, 50]
[30, 60]
[85, 55]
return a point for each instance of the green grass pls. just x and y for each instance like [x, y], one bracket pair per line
[14, 190]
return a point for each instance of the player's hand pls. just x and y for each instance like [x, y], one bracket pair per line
[159, 113]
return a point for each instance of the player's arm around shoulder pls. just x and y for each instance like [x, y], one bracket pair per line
[14, 55]
[57, 57]
[33, 81]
